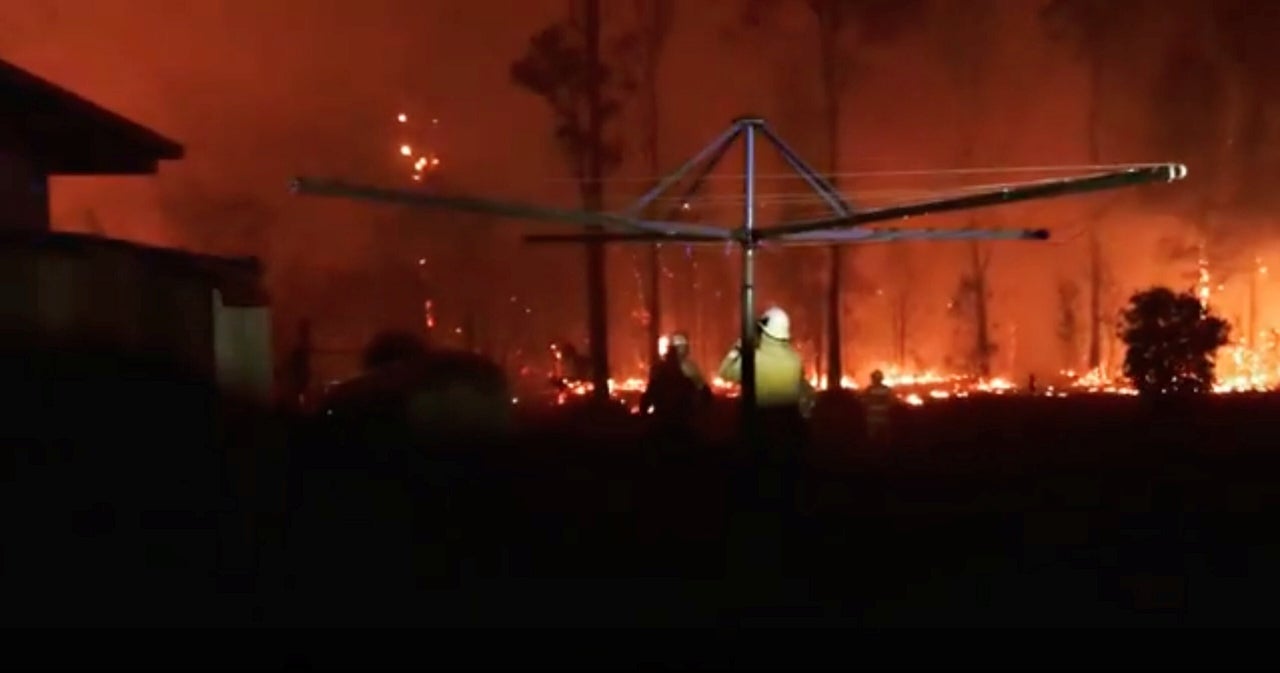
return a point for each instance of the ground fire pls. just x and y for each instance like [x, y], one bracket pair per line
[1250, 363]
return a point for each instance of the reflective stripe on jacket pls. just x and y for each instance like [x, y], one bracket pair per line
[878, 399]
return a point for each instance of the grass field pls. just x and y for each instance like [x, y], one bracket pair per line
[1001, 510]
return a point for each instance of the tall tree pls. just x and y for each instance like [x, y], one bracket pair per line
[1097, 33]
[902, 302]
[844, 30]
[654, 18]
[563, 66]
[969, 305]
[1069, 323]
[969, 29]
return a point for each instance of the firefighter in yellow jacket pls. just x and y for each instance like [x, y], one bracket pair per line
[784, 399]
[780, 379]
[877, 400]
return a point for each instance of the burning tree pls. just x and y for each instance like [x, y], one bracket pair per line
[1170, 341]
[563, 66]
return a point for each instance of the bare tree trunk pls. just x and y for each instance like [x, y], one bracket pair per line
[655, 302]
[1095, 299]
[593, 200]
[828, 34]
[654, 34]
[693, 304]
[901, 303]
[982, 334]
[835, 359]
[1253, 307]
[1095, 243]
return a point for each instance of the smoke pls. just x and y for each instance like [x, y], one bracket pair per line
[218, 222]
[261, 91]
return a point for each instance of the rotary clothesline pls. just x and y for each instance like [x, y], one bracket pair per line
[634, 229]
[844, 224]
[988, 170]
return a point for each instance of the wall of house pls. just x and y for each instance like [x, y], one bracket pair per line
[119, 297]
[24, 195]
[116, 297]
[242, 350]
[59, 294]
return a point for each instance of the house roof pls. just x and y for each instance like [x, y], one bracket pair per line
[239, 279]
[66, 134]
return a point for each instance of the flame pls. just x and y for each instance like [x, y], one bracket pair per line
[1240, 368]
[664, 342]
[422, 163]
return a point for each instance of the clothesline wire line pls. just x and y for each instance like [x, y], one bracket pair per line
[802, 198]
[1064, 168]
[850, 196]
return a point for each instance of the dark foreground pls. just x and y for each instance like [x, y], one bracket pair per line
[132, 503]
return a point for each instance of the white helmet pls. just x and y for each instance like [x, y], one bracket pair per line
[776, 324]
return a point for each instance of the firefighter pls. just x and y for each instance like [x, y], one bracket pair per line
[777, 437]
[877, 400]
[780, 382]
[680, 345]
[675, 390]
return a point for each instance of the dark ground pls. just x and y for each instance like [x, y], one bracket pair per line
[128, 505]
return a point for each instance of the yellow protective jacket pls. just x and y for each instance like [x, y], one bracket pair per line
[779, 374]
[877, 400]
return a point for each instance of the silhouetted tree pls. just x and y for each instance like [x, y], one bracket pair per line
[654, 18]
[968, 28]
[558, 68]
[844, 30]
[969, 306]
[1098, 35]
[1069, 322]
[840, 23]
[563, 66]
[902, 299]
[1170, 340]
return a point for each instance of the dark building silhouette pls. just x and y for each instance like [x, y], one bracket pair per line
[46, 131]
[122, 356]
[206, 314]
